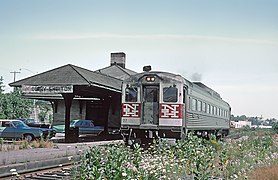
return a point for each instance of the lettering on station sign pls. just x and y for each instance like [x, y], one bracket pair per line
[47, 89]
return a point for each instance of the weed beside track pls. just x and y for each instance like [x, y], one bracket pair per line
[190, 158]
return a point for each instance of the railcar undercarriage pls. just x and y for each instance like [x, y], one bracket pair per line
[144, 137]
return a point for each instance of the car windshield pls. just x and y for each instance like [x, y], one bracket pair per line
[19, 124]
[72, 123]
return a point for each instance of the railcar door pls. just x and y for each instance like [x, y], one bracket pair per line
[150, 104]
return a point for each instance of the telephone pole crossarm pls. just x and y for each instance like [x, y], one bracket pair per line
[14, 72]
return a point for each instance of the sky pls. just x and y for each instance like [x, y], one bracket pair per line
[229, 45]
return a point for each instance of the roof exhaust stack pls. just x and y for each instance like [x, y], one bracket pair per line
[147, 68]
[118, 59]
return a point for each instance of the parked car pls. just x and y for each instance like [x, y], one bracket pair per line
[33, 123]
[17, 129]
[86, 127]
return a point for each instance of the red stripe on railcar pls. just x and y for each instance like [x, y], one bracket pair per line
[171, 111]
[131, 110]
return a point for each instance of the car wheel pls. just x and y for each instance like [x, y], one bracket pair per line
[28, 137]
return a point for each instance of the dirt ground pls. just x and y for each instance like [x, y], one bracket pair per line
[266, 173]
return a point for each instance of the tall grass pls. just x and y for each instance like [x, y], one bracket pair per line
[17, 145]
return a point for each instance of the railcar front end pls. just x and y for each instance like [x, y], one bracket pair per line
[153, 105]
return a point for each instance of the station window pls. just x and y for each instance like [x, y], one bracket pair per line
[170, 94]
[214, 110]
[194, 104]
[131, 94]
[199, 105]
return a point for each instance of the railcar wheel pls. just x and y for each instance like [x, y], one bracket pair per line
[132, 141]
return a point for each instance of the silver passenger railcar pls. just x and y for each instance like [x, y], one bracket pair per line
[166, 105]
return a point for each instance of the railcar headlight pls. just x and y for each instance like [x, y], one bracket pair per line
[150, 79]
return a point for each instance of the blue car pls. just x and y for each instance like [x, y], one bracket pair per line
[16, 129]
[86, 127]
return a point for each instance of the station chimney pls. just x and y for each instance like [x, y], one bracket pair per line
[118, 58]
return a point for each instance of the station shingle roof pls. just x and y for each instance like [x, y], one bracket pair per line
[116, 71]
[71, 75]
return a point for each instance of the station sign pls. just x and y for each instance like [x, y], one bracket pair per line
[42, 89]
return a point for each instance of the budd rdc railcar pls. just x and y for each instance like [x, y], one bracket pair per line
[166, 105]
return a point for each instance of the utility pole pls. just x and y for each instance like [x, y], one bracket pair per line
[14, 72]
[1, 85]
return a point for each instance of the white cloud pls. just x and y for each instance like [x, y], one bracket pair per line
[80, 36]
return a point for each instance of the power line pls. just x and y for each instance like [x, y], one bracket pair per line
[27, 70]
[14, 72]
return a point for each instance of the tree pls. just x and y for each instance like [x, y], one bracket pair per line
[275, 127]
[45, 110]
[13, 105]
[238, 118]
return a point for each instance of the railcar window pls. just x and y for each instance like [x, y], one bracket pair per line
[151, 93]
[131, 94]
[184, 94]
[170, 94]
[214, 110]
[194, 104]
[204, 107]
[199, 105]
[208, 109]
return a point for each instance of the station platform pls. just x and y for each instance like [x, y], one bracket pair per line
[33, 159]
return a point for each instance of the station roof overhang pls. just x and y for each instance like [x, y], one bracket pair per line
[83, 83]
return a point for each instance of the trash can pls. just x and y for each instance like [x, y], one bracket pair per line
[73, 134]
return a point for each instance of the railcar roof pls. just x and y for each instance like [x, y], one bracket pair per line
[207, 89]
[198, 85]
[155, 72]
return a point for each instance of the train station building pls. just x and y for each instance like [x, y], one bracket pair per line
[78, 93]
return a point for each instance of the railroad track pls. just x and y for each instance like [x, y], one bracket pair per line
[61, 172]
